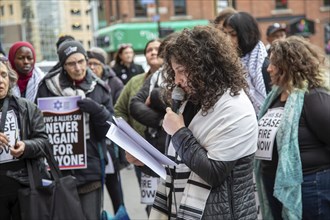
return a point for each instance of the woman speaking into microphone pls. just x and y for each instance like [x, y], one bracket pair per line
[214, 136]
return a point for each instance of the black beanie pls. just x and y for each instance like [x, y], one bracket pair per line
[95, 55]
[63, 39]
[68, 48]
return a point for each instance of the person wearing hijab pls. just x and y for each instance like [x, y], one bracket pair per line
[22, 58]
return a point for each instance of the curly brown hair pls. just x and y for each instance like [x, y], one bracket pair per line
[301, 63]
[211, 64]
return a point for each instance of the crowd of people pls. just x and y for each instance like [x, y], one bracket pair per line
[251, 117]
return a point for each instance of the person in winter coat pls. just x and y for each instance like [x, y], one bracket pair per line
[22, 137]
[214, 135]
[22, 58]
[124, 67]
[97, 63]
[122, 107]
[75, 78]
[97, 59]
[60, 40]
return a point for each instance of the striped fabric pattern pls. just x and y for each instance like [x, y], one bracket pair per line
[253, 62]
[227, 133]
[191, 192]
[189, 198]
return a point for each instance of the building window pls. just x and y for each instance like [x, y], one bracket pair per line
[87, 27]
[326, 2]
[281, 4]
[76, 26]
[140, 8]
[222, 4]
[2, 10]
[75, 11]
[11, 10]
[327, 38]
[180, 7]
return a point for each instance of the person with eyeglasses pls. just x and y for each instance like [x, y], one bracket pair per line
[22, 136]
[75, 78]
[97, 63]
[60, 40]
[97, 58]
[124, 66]
[22, 58]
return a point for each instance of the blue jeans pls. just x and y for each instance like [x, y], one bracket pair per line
[316, 196]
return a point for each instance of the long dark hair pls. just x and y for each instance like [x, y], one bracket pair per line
[247, 30]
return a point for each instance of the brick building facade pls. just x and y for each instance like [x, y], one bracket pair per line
[265, 11]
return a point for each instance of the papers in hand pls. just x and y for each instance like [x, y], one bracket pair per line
[128, 139]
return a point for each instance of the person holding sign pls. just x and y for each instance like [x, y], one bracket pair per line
[76, 79]
[22, 135]
[214, 133]
[293, 170]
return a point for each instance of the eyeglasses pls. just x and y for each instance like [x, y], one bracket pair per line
[94, 64]
[74, 64]
[3, 74]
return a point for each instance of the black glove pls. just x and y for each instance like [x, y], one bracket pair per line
[90, 106]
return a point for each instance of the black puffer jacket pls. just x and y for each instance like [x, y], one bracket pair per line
[230, 180]
[95, 89]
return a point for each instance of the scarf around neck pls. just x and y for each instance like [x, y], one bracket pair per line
[214, 132]
[30, 85]
[287, 187]
[23, 81]
[253, 63]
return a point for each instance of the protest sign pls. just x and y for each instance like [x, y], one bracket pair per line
[148, 187]
[268, 126]
[65, 126]
[11, 130]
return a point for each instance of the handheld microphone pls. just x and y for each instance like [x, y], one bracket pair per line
[177, 97]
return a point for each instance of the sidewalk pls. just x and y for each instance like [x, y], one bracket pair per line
[135, 209]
